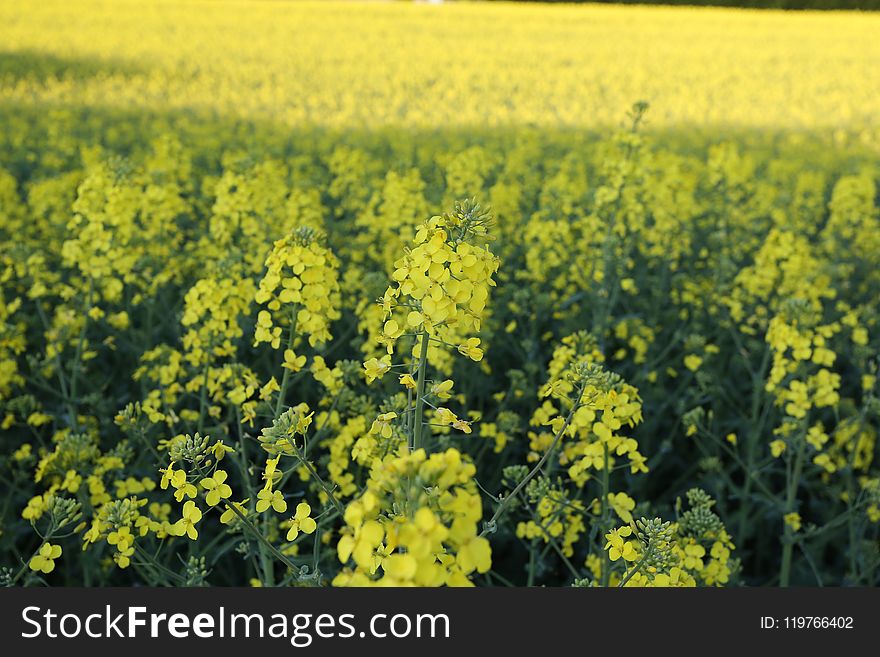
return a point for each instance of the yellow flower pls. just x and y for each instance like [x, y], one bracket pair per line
[191, 515]
[216, 487]
[35, 508]
[293, 362]
[382, 424]
[618, 547]
[73, 480]
[38, 419]
[392, 329]
[361, 545]
[122, 537]
[693, 556]
[229, 516]
[471, 349]
[400, 567]
[693, 362]
[824, 461]
[623, 505]
[445, 416]
[219, 450]
[474, 554]
[860, 335]
[267, 498]
[44, 560]
[265, 332]
[375, 368]
[183, 488]
[442, 390]
[793, 520]
[270, 473]
[23, 453]
[267, 390]
[123, 556]
[301, 522]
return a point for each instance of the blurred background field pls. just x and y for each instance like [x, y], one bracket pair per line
[277, 77]
[369, 65]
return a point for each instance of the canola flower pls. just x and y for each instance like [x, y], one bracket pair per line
[237, 345]
[431, 541]
[381, 427]
[44, 560]
[329, 65]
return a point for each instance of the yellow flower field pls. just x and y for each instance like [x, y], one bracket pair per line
[499, 294]
[348, 65]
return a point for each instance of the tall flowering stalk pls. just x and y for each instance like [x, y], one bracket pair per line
[417, 522]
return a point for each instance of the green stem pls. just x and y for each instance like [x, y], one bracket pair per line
[80, 347]
[531, 577]
[605, 520]
[285, 378]
[265, 561]
[790, 498]
[316, 557]
[166, 574]
[632, 573]
[850, 494]
[409, 421]
[323, 484]
[756, 429]
[265, 541]
[241, 459]
[203, 399]
[420, 393]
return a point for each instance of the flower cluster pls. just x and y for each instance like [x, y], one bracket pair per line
[415, 525]
[695, 550]
[300, 290]
[441, 286]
